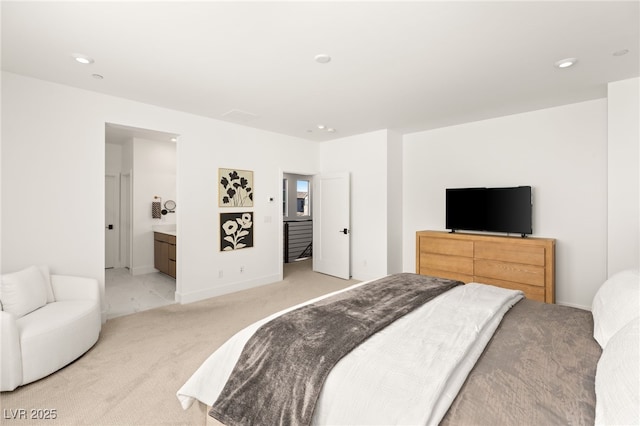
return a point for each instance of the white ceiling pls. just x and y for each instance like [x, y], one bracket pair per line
[407, 66]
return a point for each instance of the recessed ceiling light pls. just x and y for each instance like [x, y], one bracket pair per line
[97, 76]
[566, 63]
[174, 139]
[621, 52]
[83, 59]
[322, 58]
[325, 128]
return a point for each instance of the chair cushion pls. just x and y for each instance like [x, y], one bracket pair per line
[56, 334]
[24, 291]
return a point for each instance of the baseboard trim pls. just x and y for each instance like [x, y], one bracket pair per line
[195, 296]
[574, 305]
[141, 270]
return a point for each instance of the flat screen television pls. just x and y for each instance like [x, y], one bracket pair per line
[489, 209]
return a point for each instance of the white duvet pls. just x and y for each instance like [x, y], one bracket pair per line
[408, 373]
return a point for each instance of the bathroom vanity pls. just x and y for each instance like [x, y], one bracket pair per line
[164, 248]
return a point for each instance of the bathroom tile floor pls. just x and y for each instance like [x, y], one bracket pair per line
[126, 294]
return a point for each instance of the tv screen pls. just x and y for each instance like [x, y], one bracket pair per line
[489, 209]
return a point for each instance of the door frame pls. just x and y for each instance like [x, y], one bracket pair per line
[126, 220]
[115, 249]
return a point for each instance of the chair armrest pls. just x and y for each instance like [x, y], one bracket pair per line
[10, 354]
[66, 287]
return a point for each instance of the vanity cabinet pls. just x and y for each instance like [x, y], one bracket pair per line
[164, 248]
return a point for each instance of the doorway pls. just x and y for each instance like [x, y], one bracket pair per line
[140, 166]
[327, 197]
[297, 236]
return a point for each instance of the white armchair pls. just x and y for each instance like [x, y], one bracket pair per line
[39, 337]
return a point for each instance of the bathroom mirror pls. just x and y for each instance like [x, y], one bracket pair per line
[169, 206]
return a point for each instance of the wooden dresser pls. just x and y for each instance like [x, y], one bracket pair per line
[526, 264]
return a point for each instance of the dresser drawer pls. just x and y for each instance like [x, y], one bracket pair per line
[514, 272]
[446, 246]
[531, 292]
[457, 264]
[447, 274]
[532, 255]
[159, 236]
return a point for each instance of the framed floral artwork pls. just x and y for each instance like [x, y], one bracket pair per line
[235, 188]
[236, 231]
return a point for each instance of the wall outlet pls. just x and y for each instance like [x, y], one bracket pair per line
[220, 273]
[241, 269]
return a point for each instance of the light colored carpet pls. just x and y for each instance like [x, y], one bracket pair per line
[130, 377]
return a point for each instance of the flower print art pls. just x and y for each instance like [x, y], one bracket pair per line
[236, 231]
[235, 188]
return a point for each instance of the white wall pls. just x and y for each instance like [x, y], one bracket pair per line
[53, 165]
[561, 152]
[113, 160]
[623, 184]
[365, 157]
[201, 151]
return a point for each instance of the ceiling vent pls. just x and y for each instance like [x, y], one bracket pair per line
[239, 116]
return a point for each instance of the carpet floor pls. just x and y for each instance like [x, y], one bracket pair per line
[131, 375]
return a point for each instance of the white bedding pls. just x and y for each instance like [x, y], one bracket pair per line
[408, 373]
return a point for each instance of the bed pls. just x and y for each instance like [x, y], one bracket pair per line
[524, 362]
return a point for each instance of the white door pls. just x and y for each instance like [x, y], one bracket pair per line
[331, 225]
[111, 240]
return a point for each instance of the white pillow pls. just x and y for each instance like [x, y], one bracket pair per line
[618, 378]
[44, 269]
[615, 304]
[23, 291]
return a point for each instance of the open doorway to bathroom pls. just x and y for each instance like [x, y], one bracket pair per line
[140, 169]
[297, 222]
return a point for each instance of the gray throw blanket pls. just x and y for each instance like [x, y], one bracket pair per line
[283, 366]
